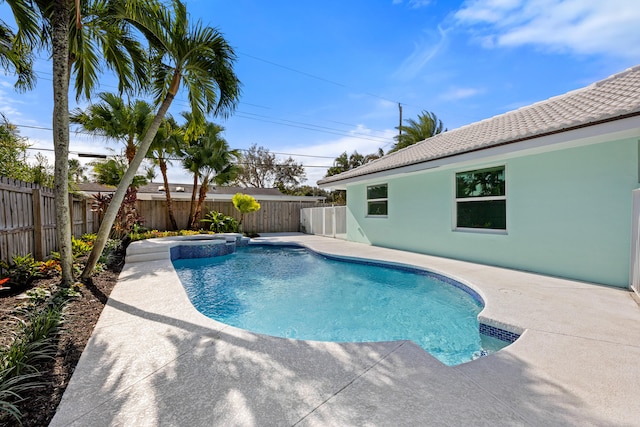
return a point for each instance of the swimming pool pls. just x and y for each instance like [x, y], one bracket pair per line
[293, 293]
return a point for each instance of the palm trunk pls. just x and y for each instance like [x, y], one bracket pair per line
[204, 187]
[192, 206]
[171, 223]
[112, 211]
[130, 150]
[60, 124]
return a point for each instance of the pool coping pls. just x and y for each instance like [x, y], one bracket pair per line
[153, 359]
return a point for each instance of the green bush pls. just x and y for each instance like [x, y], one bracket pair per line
[89, 237]
[244, 204]
[21, 271]
[108, 253]
[153, 234]
[80, 247]
[221, 223]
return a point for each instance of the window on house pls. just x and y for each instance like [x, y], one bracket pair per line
[481, 199]
[377, 200]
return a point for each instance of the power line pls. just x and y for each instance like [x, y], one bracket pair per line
[294, 124]
[293, 70]
[84, 133]
[316, 129]
[313, 76]
[104, 156]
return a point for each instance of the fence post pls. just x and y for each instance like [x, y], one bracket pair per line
[333, 222]
[85, 221]
[71, 215]
[37, 224]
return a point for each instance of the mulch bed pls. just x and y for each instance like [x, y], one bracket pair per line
[81, 315]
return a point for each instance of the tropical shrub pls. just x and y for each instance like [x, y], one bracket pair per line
[89, 237]
[80, 247]
[152, 234]
[221, 223]
[127, 218]
[244, 204]
[50, 268]
[21, 271]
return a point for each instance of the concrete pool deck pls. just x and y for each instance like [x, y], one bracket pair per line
[153, 360]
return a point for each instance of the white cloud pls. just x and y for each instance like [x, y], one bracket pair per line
[414, 4]
[575, 26]
[362, 139]
[460, 93]
[423, 52]
[8, 105]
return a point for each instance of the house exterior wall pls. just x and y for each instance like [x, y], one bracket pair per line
[568, 213]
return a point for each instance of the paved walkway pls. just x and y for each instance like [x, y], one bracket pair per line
[153, 360]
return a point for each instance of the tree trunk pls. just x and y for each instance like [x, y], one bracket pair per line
[112, 211]
[130, 150]
[192, 206]
[60, 124]
[204, 187]
[171, 223]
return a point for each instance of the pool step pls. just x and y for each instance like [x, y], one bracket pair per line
[147, 250]
[196, 246]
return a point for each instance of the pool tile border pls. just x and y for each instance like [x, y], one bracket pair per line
[498, 333]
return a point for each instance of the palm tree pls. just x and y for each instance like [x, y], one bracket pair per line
[49, 25]
[169, 143]
[16, 54]
[116, 119]
[111, 171]
[425, 127]
[76, 171]
[195, 55]
[345, 162]
[210, 160]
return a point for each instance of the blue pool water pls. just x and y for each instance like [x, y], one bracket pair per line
[293, 293]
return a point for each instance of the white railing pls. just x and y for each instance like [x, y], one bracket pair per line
[634, 276]
[328, 221]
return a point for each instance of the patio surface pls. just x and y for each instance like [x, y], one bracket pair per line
[153, 360]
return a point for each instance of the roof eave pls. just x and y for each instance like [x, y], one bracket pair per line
[432, 163]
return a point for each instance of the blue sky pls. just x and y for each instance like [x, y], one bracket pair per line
[323, 77]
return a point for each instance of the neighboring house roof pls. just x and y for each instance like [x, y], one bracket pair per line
[187, 188]
[154, 191]
[94, 188]
[614, 98]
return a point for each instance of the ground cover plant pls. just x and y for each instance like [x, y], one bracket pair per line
[44, 329]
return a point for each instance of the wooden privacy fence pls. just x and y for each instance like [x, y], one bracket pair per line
[28, 222]
[273, 216]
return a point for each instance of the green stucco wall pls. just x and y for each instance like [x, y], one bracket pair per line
[568, 214]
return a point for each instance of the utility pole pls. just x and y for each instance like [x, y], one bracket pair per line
[400, 125]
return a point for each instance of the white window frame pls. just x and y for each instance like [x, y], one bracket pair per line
[457, 200]
[382, 199]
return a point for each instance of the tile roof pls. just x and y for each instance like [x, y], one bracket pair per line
[153, 188]
[615, 97]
